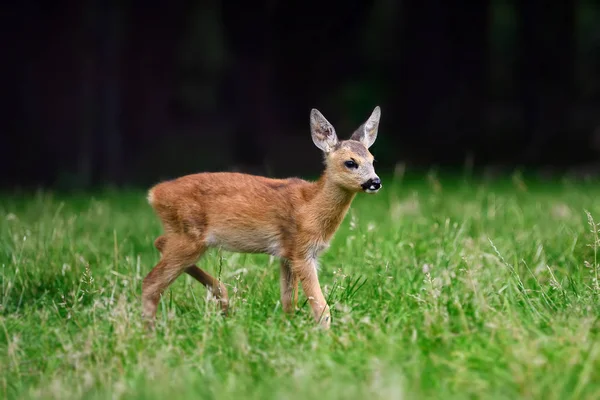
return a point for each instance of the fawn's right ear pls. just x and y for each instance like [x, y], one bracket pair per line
[323, 133]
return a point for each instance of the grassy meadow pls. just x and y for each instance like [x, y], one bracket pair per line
[440, 289]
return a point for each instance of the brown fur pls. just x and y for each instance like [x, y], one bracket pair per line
[289, 218]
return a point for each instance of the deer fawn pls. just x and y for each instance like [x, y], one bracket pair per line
[288, 218]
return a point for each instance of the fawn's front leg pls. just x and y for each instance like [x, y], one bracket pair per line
[306, 270]
[289, 287]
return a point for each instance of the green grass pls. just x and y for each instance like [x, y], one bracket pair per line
[438, 290]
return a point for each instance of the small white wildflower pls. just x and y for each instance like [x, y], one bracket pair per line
[426, 268]
[353, 222]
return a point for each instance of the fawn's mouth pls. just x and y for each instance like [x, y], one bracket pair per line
[369, 190]
[372, 185]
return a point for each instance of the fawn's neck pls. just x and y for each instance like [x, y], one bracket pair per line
[329, 206]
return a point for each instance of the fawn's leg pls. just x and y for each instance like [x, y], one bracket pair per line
[216, 288]
[306, 270]
[178, 252]
[289, 287]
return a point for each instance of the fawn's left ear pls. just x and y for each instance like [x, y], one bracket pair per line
[367, 132]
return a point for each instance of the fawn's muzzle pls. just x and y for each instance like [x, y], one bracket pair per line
[372, 185]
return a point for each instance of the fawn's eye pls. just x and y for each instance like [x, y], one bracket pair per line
[351, 164]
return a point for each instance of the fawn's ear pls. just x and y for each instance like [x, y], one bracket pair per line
[323, 133]
[367, 132]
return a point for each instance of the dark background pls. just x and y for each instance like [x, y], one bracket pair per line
[127, 93]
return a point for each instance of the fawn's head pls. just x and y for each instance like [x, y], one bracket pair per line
[349, 162]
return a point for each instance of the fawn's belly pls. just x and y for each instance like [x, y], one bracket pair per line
[246, 241]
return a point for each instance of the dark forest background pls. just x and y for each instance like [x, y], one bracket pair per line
[107, 92]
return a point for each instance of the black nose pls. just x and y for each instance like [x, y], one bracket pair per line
[372, 184]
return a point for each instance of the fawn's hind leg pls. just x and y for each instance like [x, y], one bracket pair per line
[216, 288]
[177, 253]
